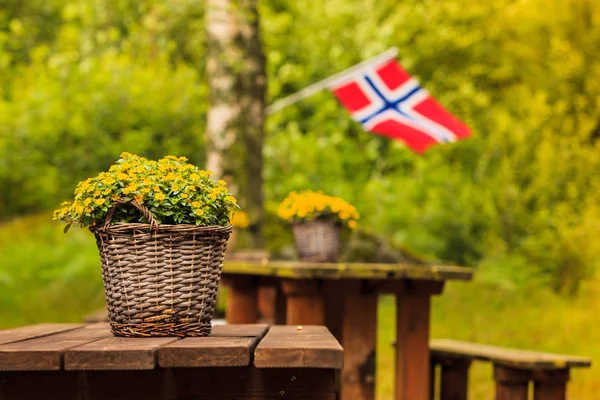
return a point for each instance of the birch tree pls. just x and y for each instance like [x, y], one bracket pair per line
[236, 80]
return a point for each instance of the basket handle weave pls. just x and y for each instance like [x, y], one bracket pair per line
[111, 213]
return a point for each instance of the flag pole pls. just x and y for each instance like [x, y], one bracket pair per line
[328, 82]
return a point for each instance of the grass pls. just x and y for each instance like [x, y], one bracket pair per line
[535, 319]
[47, 276]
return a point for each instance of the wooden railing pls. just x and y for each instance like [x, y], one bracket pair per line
[514, 370]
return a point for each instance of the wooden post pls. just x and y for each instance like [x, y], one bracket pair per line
[359, 336]
[550, 384]
[511, 383]
[454, 379]
[412, 347]
[304, 302]
[242, 300]
[267, 304]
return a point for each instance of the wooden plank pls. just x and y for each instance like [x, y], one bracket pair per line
[242, 300]
[308, 270]
[304, 302]
[34, 331]
[241, 330]
[252, 383]
[45, 353]
[506, 356]
[511, 384]
[412, 348]
[208, 352]
[239, 383]
[299, 347]
[115, 353]
[359, 335]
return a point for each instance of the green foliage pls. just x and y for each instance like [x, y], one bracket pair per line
[87, 80]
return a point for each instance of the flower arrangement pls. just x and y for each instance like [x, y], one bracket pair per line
[240, 219]
[307, 206]
[174, 191]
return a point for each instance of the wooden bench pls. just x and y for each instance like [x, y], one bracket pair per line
[513, 370]
[85, 361]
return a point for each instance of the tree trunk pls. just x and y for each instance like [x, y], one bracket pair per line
[254, 82]
[237, 82]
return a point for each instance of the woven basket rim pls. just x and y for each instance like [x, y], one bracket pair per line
[139, 226]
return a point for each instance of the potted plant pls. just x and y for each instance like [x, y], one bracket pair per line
[316, 221]
[161, 228]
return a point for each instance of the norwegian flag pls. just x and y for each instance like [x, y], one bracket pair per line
[386, 100]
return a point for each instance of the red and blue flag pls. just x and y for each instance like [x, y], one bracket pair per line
[386, 100]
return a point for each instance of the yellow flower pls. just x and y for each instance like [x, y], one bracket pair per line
[97, 193]
[108, 180]
[79, 209]
[159, 196]
[147, 181]
[231, 199]
[130, 188]
[87, 202]
[100, 201]
[196, 204]
[115, 197]
[106, 191]
[194, 176]
[352, 224]
[156, 188]
[138, 197]
[198, 212]
[184, 195]
[175, 188]
[222, 182]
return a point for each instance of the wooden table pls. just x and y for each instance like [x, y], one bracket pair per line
[344, 298]
[84, 361]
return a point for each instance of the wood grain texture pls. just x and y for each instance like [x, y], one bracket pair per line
[115, 353]
[46, 352]
[300, 347]
[208, 352]
[359, 336]
[33, 331]
[241, 330]
[506, 356]
[412, 348]
[307, 270]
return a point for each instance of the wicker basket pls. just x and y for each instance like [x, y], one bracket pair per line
[317, 241]
[160, 280]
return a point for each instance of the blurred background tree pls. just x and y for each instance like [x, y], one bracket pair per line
[83, 80]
